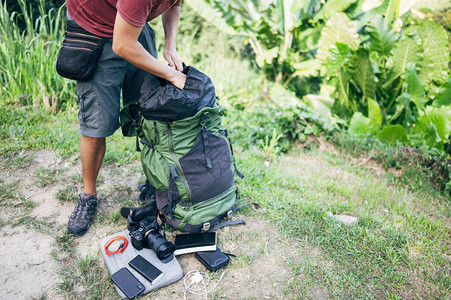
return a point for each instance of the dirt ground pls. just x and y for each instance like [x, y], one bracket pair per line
[31, 263]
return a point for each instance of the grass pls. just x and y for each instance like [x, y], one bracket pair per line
[398, 249]
[12, 197]
[47, 176]
[401, 237]
[85, 278]
[420, 171]
[28, 58]
[69, 193]
[32, 222]
[25, 128]
[16, 159]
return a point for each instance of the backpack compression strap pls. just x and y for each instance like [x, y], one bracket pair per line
[207, 228]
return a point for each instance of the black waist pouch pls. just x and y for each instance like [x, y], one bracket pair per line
[80, 53]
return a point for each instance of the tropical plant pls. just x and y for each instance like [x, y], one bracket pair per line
[282, 33]
[387, 84]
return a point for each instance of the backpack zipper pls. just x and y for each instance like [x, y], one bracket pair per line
[157, 133]
[225, 136]
[177, 163]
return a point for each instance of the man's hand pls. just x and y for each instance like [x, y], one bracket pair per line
[178, 80]
[170, 20]
[172, 57]
[126, 45]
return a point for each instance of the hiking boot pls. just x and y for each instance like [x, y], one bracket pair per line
[81, 217]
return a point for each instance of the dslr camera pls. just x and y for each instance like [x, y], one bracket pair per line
[144, 230]
[146, 234]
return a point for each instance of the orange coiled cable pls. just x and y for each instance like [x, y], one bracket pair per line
[121, 247]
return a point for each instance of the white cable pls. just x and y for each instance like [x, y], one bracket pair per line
[197, 278]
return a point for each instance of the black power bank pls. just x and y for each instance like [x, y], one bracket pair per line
[146, 269]
[194, 242]
[213, 260]
[127, 283]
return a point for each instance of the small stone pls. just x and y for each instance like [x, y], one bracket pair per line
[348, 220]
[329, 214]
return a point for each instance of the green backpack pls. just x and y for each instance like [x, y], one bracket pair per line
[191, 166]
[188, 161]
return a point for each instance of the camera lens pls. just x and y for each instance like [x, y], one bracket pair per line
[162, 248]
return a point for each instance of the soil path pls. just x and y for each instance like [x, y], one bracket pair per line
[40, 261]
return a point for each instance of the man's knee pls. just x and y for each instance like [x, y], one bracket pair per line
[92, 141]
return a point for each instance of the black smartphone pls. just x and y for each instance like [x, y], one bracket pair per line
[127, 283]
[213, 260]
[146, 269]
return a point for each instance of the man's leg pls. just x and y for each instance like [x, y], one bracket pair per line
[92, 151]
[98, 117]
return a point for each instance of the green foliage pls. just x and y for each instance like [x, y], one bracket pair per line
[392, 11]
[338, 29]
[210, 15]
[407, 51]
[433, 127]
[275, 128]
[444, 97]
[362, 72]
[419, 166]
[392, 135]
[27, 57]
[374, 114]
[436, 52]
[415, 87]
[331, 7]
[382, 38]
[390, 69]
[36, 8]
[283, 34]
[339, 55]
[361, 126]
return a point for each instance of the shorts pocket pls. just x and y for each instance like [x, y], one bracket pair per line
[89, 115]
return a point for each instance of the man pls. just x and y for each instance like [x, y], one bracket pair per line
[129, 47]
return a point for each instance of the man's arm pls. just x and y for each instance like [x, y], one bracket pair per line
[170, 20]
[126, 45]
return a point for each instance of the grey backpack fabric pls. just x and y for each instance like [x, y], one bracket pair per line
[162, 101]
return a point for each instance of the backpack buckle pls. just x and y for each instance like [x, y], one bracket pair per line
[206, 226]
[229, 214]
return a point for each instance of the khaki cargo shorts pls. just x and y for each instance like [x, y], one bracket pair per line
[100, 97]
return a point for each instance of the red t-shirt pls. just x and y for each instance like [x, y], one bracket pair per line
[98, 16]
